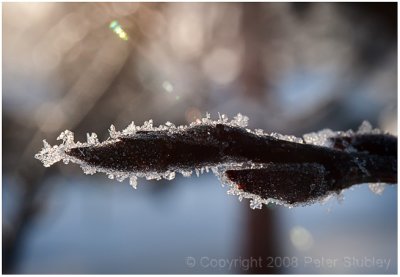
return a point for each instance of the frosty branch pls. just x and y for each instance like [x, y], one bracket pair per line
[264, 167]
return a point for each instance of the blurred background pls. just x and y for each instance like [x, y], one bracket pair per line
[292, 68]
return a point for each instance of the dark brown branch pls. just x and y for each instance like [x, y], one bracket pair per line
[291, 172]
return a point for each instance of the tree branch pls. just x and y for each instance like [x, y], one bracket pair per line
[257, 165]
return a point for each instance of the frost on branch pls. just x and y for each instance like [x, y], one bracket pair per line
[263, 167]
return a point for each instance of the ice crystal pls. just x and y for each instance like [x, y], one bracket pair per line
[320, 138]
[147, 126]
[186, 173]
[122, 176]
[113, 133]
[285, 137]
[88, 169]
[153, 176]
[133, 181]
[92, 139]
[240, 120]
[259, 132]
[366, 128]
[377, 188]
[256, 203]
[130, 130]
[169, 175]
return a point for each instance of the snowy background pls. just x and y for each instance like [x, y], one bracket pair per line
[292, 68]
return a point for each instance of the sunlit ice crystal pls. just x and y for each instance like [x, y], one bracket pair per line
[133, 181]
[240, 120]
[88, 169]
[113, 132]
[377, 188]
[67, 137]
[92, 139]
[256, 203]
[153, 176]
[130, 130]
[320, 138]
[259, 132]
[169, 175]
[224, 118]
[186, 173]
[49, 155]
[323, 137]
[366, 128]
[147, 125]
[283, 137]
[122, 176]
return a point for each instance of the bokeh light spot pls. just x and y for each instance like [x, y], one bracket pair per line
[168, 87]
[117, 28]
[301, 238]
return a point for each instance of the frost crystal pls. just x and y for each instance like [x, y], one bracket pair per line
[169, 175]
[320, 138]
[92, 139]
[240, 120]
[130, 130]
[48, 155]
[147, 126]
[186, 173]
[133, 182]
[366, 128]
[153, 176]
[122, 176]
[377, 188]
[259, 132]
[88, 169]
[113, 133]
[67, 137]
[256, 203]
[287, 138]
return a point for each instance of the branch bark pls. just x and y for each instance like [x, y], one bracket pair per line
[288, 171]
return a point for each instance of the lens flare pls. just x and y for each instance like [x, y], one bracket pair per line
[116, 28]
